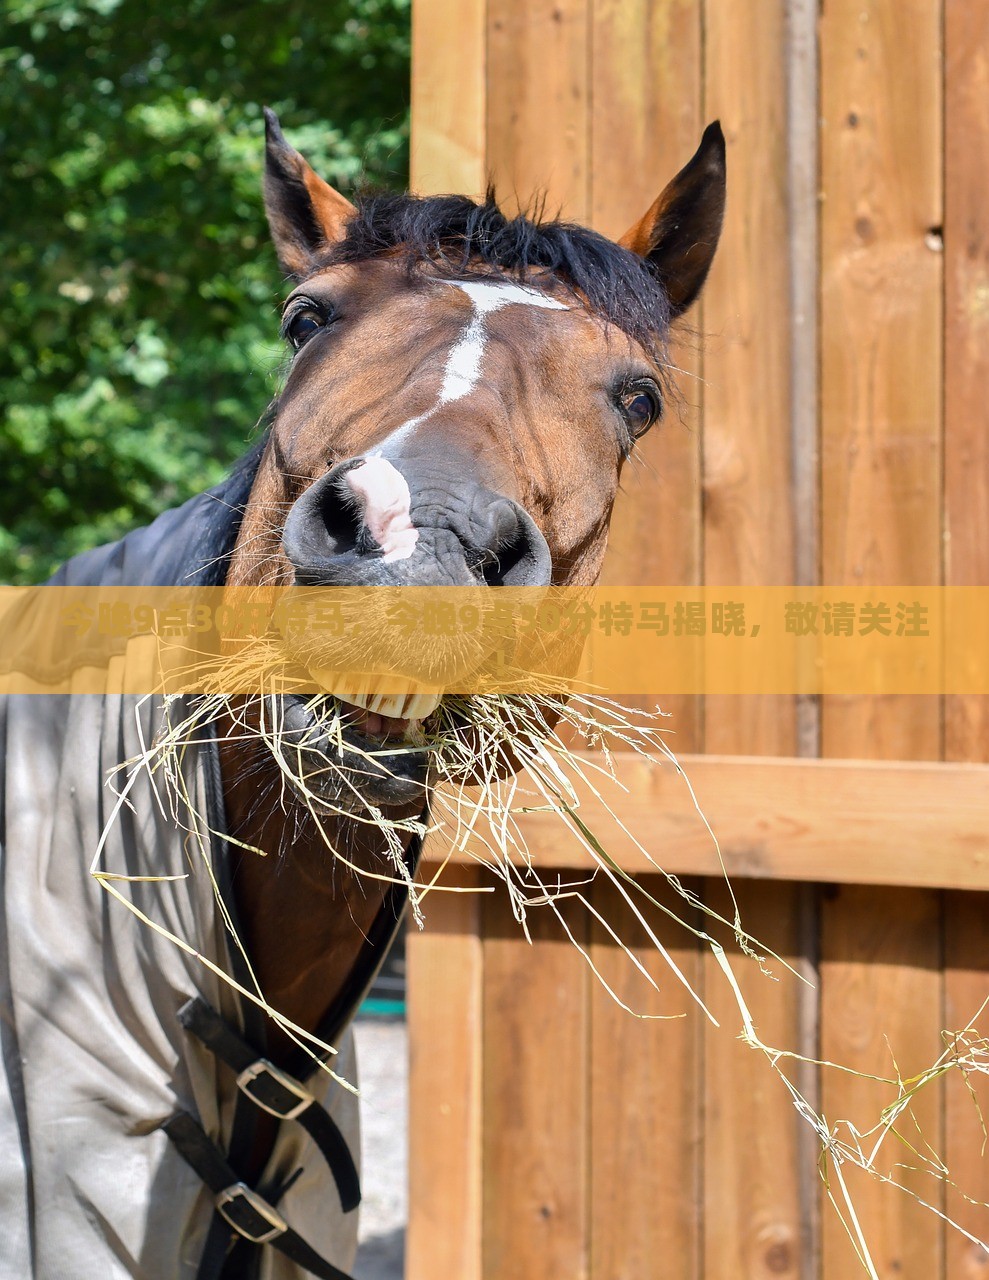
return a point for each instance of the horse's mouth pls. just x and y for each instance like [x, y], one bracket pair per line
[346, 756]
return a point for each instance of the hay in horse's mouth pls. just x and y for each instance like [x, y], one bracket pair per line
[345, 757]
[485, 817]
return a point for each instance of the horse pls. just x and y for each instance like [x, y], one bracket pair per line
[465, 387]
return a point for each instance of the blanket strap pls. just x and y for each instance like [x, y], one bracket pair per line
[250, 1215]
[276, 1092]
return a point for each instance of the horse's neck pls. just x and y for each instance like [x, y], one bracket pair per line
[305, 914]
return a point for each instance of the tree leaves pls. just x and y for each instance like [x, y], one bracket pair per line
[138, 333]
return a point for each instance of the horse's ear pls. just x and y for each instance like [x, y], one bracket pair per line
[305, 214]
[679, 234]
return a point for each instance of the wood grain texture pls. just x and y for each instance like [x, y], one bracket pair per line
[752, 1132]
[881, 380]
[448, 97]
[966, 498]
[646, 90]
[646, 1094]
[752, 1144]
[881, 410]
[759, 1219]
[966, 979]
[596, 102]
[645, 78]
[966, 333]
[881, 1001]
[535, 1090]
[844, 821]
[537, 94]
[444, 996]
[748, 534]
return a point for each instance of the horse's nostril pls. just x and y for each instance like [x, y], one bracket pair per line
[517, 554]
[324, 522]
[339, 511]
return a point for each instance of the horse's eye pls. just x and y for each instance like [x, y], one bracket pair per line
[300, 326]
[642, 407]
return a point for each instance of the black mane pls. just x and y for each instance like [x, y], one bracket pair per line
[224, 515]
[466, 240]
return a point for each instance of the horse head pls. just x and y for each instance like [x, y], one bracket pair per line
[465, 388]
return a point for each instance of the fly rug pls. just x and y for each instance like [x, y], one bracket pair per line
[464, 390]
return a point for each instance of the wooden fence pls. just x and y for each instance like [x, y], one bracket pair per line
[835, 429]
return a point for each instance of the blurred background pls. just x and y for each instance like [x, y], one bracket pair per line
[139, 320]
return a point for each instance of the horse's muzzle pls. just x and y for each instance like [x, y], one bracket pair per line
[370, 523]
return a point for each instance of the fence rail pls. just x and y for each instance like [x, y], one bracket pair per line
[554, 1134]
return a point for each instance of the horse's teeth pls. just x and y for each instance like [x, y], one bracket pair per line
[399, 706]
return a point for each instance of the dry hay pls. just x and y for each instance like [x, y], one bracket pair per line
[547, 773]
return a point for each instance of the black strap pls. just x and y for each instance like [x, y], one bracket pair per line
[247, 1212]
[276, 1092]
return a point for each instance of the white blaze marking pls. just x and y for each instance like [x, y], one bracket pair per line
[386, 502]
[382, 489]
[463, 364]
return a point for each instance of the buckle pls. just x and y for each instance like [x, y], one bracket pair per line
[268, 1072]
[247, 1213]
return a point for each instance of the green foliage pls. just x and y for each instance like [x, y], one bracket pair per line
[138, 321]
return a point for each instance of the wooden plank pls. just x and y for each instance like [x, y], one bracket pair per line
[754, 1193]
[966, 497]
[881, 1001]
[445, 1041]
[845, 821]
[537, 131]
[881, 389]
[535, 1144]
[448, 97]
[881, 330]
[966, 339]
[966, 336]
[747, 370]
[645, 1095]
[646, 90]
[646, 1080]
[966, 989]
[645, 78]
[752, 1132]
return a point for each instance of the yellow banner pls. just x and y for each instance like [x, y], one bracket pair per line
[614, 640]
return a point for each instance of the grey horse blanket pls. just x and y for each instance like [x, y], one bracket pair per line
[94, 1056]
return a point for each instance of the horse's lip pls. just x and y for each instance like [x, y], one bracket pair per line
[299, 718]
[387, 770]
[374, 725]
